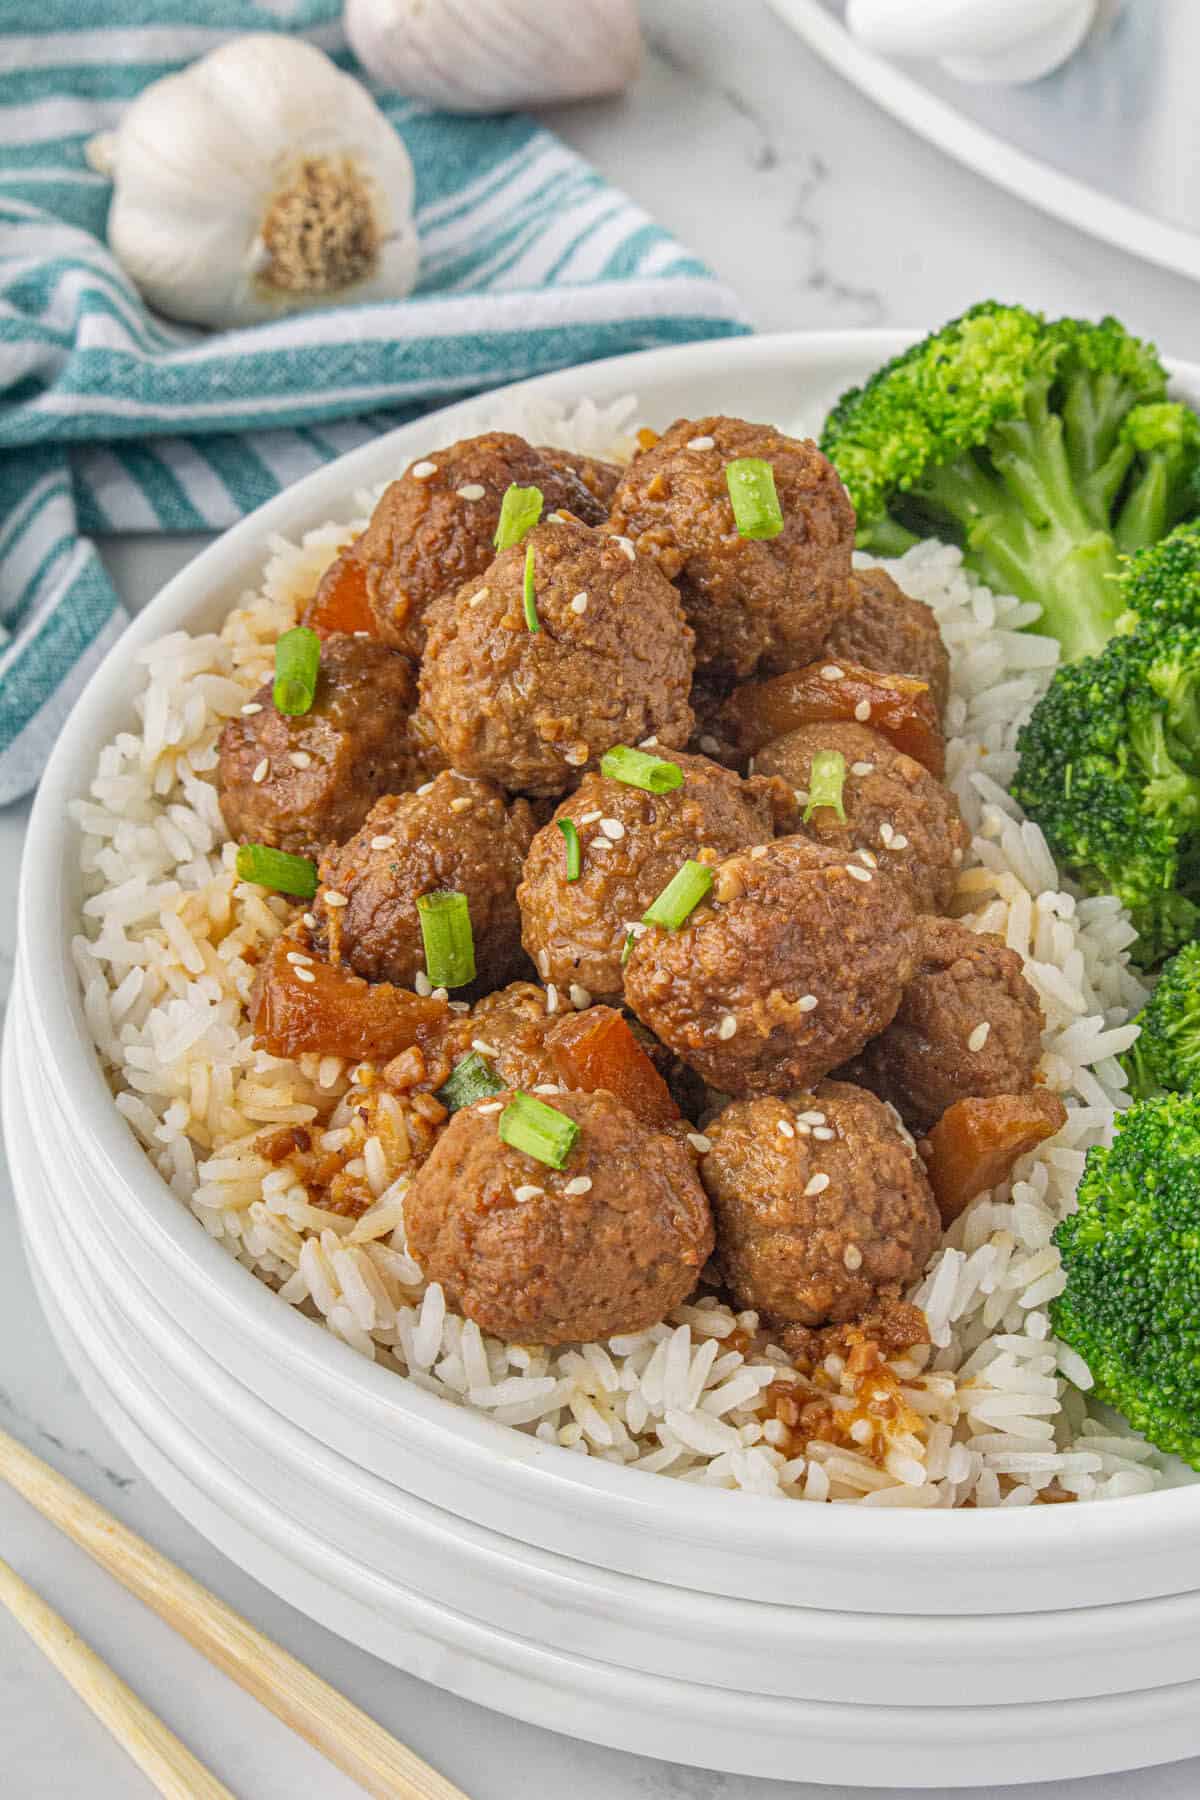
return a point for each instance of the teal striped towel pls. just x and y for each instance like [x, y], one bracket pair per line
[113, 420]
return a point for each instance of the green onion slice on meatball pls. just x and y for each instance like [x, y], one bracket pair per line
[277, 869]
[539, 1130]
[756, 509]
[445, 918]
[636, 769]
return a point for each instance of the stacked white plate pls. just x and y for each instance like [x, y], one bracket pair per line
[831, 1643]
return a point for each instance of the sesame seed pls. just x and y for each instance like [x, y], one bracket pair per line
[625, 547]
[422, 984]
[899, 842]
[727, 1027]
[299, 759]
[490, 1107]
[852, 1256]
[310, 920]
[817, 1183]
[305, 975]
[423, 470]
[426, 787]
[858, 874]
[612, 828]
[484, 1048]
[475, 599]
[577, 755]
[862, 768]
[579, 1184]
[463, 803]
[807, 1003]
[261, 771]
[862, 711]
[979, 1036]
[813, 1118]
[710, 745]
[869, 857]
[457, 1006]
[758, 852]
[440, 994]
[589, 818]
[600, 843]
[471, 490]
[529, 1191]
[382, 843]
[831, 672]
[700, 1144]
[579, 603]
[298, 960]
[803, 1129]
[580, 998]
[551, 998]
[800, 796]
[956, 858]
[824, 1132]
[364, 634]
[784, 1129]
[251, 707]
[649, 743]
[700, 443]
[543, 963]
[331, 897]
[886, 832]
[546, 1087]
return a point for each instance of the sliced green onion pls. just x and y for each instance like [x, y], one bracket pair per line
[682, 894]
[631, 938]
[571, 834]
[297, 664]
[449, 946]
[756, 508]
[520, 510]
[531, 616]
[539, 1130]
[472, 1080]
[636, 769]
[826, 779]
[277, 869]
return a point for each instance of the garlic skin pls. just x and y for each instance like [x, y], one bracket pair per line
[477, 56]
[259, 181]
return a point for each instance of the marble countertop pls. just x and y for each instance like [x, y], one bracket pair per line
[822, 212]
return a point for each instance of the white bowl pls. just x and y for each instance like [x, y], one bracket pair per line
[478, 1549]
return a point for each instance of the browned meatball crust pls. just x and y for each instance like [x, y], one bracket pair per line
[598, 477]
[896, 811]
[820, 1204]
[937, 1050]
[886, 629]
[767, 603]
[795, 954]
[611, 662]
[433, 528]
[608, 1244]
[508, 1029]
[301, 783]
[631, 844]
[455, 833]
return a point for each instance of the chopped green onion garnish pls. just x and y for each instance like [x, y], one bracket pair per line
[277, 869]
[571, 834]
[631, 938]
[539, 1130]
[756, 509]
[297, 663]
[682, 894]
[520, 511]
[531, 618]
[826, 779]
[471, 1080]
[636, 769]
[449, 946]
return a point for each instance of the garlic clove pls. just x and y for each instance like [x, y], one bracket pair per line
[490, 55]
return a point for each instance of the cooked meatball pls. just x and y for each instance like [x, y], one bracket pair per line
[631, 844]
[969, 1025]
[795, 954]
[896, 811]
[301, 783]
[820, 1202]
[454, 833]
[598, 477]
[608, 1244]
[433, 528]
[767, 602]
[508, 1029]
[610, 662]
[884, 628]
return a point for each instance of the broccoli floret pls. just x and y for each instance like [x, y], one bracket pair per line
[1166, 1057]
[1110, 769]
[1131, 1255]
[1012, 438]
[1162, 583]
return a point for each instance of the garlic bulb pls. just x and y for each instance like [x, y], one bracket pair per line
[259, 181]
[489, 55]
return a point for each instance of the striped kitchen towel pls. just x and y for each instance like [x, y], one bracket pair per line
[113, 420]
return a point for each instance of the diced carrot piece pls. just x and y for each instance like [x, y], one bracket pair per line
[597, 1049]
[335, 1013]
[899, 707]
[975, 1143]
[340, 602]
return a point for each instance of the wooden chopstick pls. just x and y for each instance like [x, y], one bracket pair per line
[347, 1736]
[158, 1753]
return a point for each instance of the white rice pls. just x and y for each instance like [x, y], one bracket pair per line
[995, 1412]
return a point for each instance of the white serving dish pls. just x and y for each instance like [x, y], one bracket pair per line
[470, 1553]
